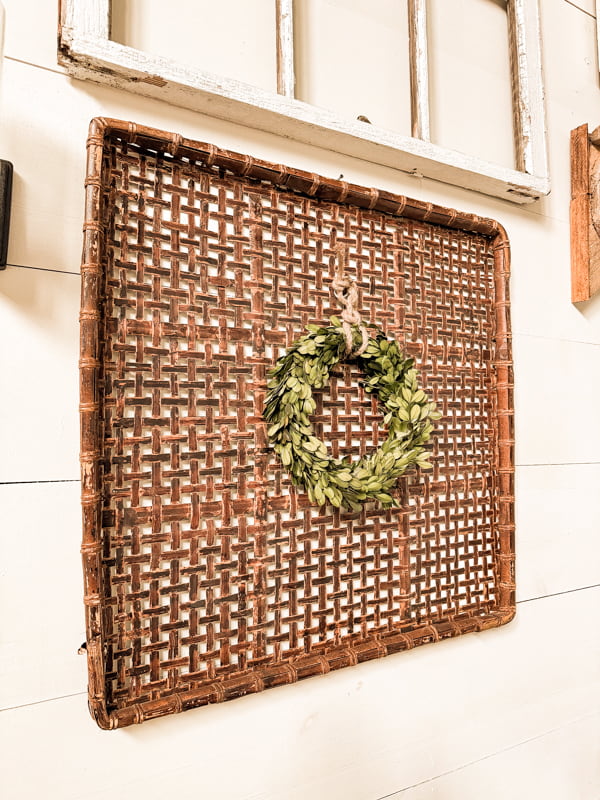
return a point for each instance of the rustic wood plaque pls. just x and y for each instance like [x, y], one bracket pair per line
[207, 575]
[585, 213]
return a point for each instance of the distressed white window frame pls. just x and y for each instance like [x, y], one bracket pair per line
[86, 50]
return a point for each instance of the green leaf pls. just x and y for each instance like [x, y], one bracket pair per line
[312, 444]
[319, 495]
[286, 455]
[342, 478]
[331, 495]
[384, 498]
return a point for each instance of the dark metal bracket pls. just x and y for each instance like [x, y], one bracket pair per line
[6, 178]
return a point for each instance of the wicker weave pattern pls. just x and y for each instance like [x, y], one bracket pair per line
[212, 577]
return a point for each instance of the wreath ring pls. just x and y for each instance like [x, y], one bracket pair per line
[390, 375]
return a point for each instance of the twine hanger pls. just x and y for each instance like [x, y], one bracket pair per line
[346, 293]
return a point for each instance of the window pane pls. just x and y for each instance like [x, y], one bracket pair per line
[469, 78]
[234, 38]
[352, 58]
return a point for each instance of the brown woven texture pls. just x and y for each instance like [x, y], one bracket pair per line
[207, 575]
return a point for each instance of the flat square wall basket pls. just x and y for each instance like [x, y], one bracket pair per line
[207, 574]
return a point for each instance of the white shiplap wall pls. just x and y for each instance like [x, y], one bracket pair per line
[511, 713]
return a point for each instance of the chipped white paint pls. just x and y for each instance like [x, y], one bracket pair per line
[88, 18]
[286, 79]
[87, 52]
[419, 68]
[528, 90]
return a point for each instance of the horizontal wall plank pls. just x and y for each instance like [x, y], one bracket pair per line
[557, 524]
[41, 593]
[557, 383]
[394, 722]
[587, 6]
[558, 765]
[541, 285]
[31, 27]
[39, 328]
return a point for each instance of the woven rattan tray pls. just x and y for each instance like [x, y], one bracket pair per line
[207, 576]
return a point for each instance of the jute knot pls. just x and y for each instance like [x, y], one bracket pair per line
[346, 294]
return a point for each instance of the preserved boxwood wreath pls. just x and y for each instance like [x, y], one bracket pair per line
[289, 404]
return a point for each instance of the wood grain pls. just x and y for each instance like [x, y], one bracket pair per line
[527, 90]
[286, 79]
[585, 214]
[580, 215]
[419, 69]
[90, 19]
